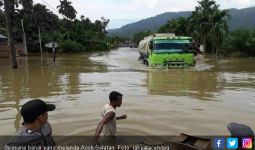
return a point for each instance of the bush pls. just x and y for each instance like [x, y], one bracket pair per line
[70, 46]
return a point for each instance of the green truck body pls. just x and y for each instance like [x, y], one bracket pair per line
[167, 50]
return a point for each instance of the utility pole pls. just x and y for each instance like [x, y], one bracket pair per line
[10, 35]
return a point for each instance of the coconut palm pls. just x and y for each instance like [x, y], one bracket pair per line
[66, 9]
[201, 19]
[209, 24]
[219, 27]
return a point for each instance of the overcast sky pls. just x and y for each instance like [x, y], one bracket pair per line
[122, 12]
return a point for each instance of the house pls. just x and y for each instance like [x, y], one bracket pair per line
[4, 48]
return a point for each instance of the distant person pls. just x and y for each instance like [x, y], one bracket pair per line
[108, 116]
[240, 131]
[35, 130]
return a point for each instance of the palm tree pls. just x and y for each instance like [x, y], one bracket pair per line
[201, 18]
[219, 27]
[178, 26]
[66, 9]
[209, 24]
[26, 4]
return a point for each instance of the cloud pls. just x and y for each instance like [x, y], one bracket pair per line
[225, 4]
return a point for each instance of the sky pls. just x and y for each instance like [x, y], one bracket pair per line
[122, 12]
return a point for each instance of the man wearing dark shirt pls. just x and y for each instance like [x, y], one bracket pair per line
[35, 130]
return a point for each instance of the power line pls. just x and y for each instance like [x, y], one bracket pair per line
[57, 11]
[50, 6]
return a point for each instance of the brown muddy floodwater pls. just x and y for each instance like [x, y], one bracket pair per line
[197, 101]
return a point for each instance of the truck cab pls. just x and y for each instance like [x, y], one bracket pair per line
[167, 50]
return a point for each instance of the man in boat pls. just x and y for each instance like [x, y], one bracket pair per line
[35, 130]
[108, 119]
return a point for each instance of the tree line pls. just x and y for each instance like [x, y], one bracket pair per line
[208, 25]
[43, 26]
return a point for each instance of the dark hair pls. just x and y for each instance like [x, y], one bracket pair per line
[114, 96]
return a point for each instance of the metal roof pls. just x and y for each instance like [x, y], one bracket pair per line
[2, 36]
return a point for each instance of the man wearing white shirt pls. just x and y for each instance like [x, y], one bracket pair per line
[108, 119]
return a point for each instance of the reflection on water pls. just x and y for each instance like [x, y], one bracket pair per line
[200, 100]
[33, 80]
[184, 83]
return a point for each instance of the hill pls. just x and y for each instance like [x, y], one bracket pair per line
[240, 18]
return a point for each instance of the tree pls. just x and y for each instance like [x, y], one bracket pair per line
[240, 43]
[178, 26]
[27, 5]
[39, 14]
[208, 24]
[38, 19]
[140, 35]
[201, 17]
[104, 22]
[219, 27]
[66, 9]
[2, 22]
[10, 34]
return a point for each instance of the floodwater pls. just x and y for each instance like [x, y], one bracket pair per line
[198, 101]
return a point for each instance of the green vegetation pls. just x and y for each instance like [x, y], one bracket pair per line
[240, 18]
[178, 26]
[114, 41]
[239, 43]
[73, 35]
[208, 25]
[140, 35]
[70, 46]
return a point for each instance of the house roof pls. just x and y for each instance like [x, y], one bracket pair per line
[2, 36]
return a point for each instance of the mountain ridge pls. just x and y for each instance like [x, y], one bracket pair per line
[240, 18]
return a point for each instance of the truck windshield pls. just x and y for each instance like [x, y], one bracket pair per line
[171, 46]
